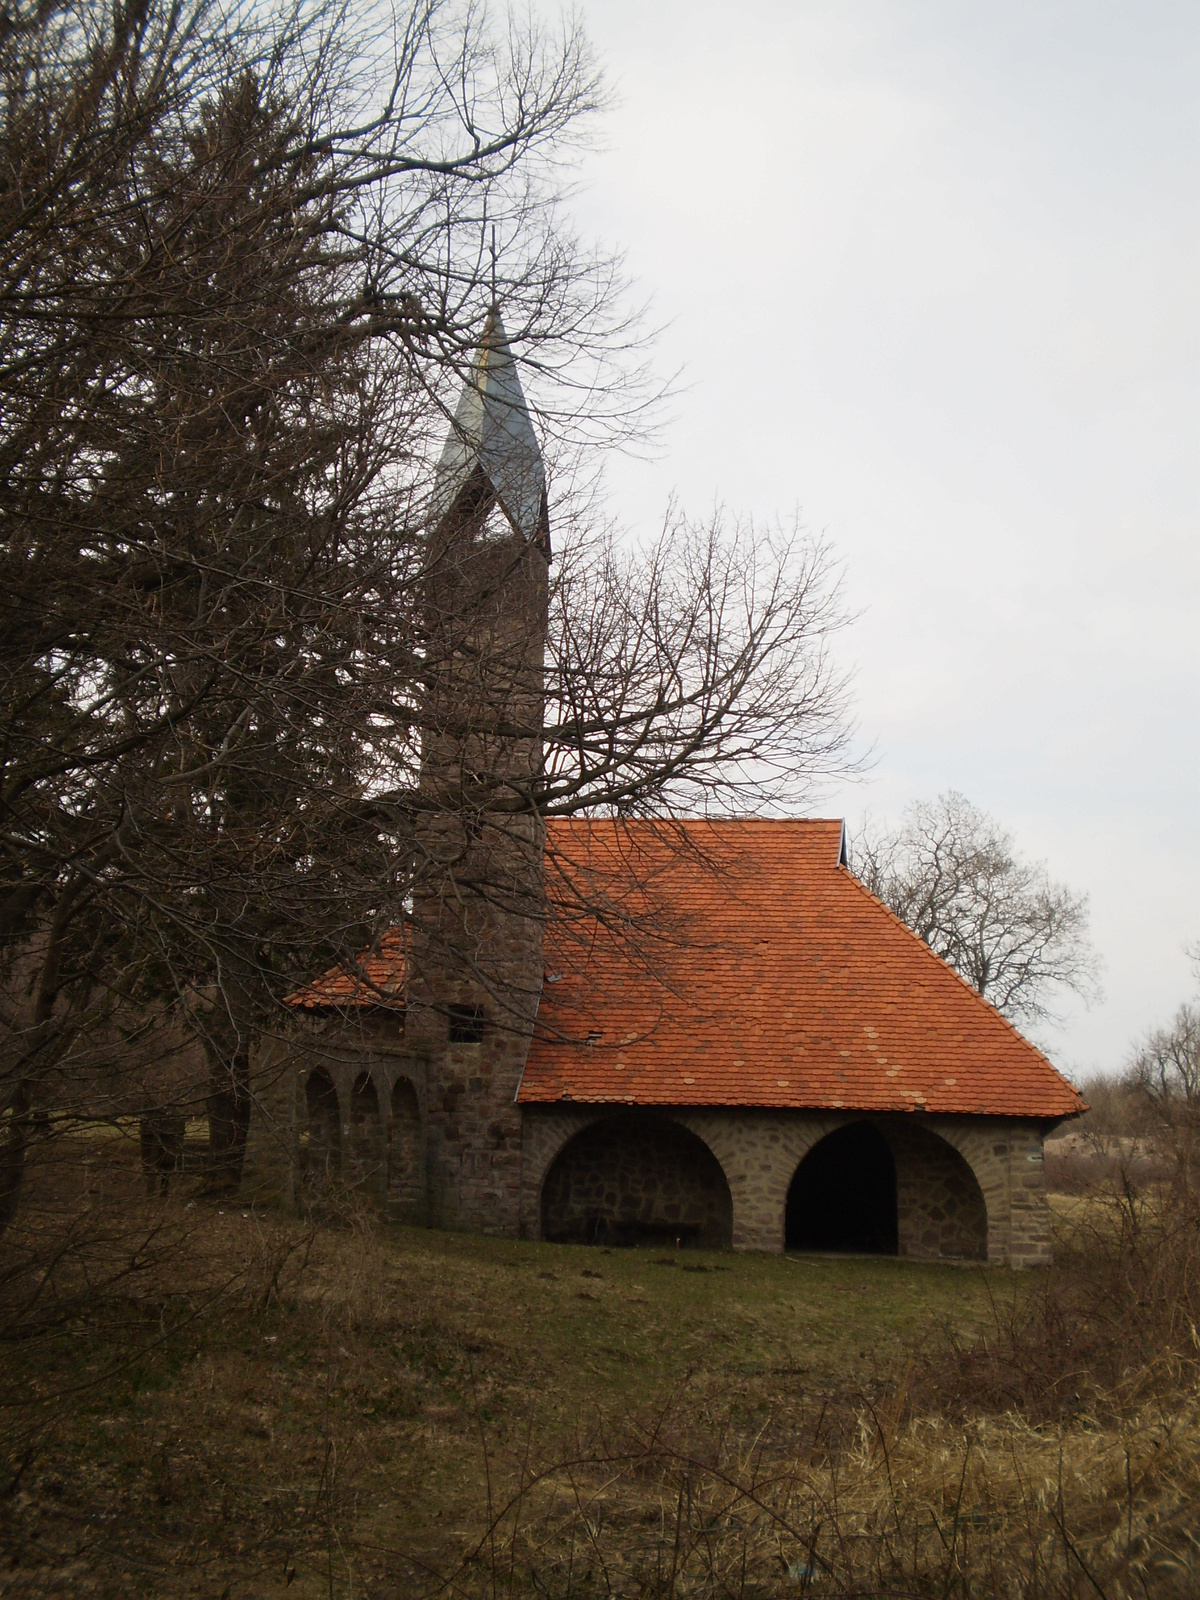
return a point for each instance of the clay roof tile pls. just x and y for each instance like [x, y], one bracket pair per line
[767, 976]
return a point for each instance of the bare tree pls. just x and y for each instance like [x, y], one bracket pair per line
[952, 874]
[238, 293]
[1166, 1066]
[694, 673]
[237, 290]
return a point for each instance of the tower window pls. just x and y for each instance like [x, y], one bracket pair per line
[467, 1024]
[496, 527]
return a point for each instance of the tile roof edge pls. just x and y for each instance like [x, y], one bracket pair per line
[308, 998]
[979, 999]
[804, 1108]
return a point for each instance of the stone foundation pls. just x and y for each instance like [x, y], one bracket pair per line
[967, 1188]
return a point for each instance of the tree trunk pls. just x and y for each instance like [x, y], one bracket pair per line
[42, 1044]
[229, 1107]
[12, 1153]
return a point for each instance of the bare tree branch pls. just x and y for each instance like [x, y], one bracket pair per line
[952, 874]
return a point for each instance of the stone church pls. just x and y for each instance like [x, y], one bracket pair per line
[698, 1034]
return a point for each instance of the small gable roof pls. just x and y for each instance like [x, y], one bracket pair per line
[765, 975]
[377, 979]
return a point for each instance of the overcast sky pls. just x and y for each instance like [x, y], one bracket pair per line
[931, 268]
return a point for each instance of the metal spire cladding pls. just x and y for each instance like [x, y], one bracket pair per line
[492, 438]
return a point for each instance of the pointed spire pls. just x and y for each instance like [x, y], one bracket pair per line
[492, 432]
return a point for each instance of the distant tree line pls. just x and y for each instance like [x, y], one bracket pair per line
[1157, 1089]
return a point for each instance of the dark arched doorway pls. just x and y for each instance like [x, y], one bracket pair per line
[843, 1196]
[637, 1180]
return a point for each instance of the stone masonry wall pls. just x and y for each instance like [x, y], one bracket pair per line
[406, 1156]
[503, 1164]
[368, 1136]
[476, 937]
[759, 1152]
[473, 1133]
[941, 1209]
[637, 1179]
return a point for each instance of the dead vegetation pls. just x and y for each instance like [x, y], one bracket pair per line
[252, 1405]
[918, 1507]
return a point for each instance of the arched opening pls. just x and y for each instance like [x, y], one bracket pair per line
[942, 1211]
[404, 1166]
[637, 1180]
[843, 1196]
[365, 1153]
[321, 1156]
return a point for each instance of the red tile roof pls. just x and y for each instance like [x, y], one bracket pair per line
[377, 981]
[775, 979]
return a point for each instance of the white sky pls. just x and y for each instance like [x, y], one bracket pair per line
[931, 269]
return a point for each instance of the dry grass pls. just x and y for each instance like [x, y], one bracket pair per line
[929, 1507]
[351, 1412]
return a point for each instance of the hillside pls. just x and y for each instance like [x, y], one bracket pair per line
[347, 1411]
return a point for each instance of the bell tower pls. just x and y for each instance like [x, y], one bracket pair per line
[475, 968]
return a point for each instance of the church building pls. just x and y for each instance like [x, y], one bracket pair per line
[686, 1034]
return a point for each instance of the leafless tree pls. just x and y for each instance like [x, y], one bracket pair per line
[237, 290]
[1166, 1066]
[242, 272]
[694, 674]
[952, 874]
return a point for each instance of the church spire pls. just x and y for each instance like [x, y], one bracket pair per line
[491, 446]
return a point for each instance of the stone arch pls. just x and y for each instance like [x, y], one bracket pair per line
[637, 1179]
[942, 1210]
[364, 1163]
[405, 1187]
[844, 1194]
[321, 1154]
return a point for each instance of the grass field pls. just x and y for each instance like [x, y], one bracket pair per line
[384, 1413]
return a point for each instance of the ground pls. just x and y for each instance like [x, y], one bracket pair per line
[360, 1412]
[368, 1403]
